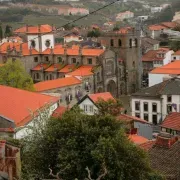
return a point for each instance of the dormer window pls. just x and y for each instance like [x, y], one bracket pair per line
[33, 43]
[74, 60]
[59, 59]
[47, 43]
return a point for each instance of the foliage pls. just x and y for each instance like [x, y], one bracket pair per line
[76, 141]
[116, 28]
[110, 107]
[177, 28]
[8, 31]
[1, 32]
[175, 45]
[94, 33]
[13, 74]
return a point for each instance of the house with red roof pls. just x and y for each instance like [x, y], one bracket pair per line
[17, 107]
[88, 102]
[156, 58]
[176, 55]
[171, 124]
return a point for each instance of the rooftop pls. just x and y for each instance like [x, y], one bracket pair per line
[157, 27]
[101, 96]
[168, 87]
[136, 139]
[16, 104]
[177, 53]
[59, 112]
[172, 121]
[171, 68]
[57, 83]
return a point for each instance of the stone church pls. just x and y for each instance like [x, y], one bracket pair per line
[115, 66]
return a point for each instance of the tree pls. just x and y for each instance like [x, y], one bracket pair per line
[8, 31]
[13, 74]
[77, 143]
[175, 45]
[1, 32]
[94, 33]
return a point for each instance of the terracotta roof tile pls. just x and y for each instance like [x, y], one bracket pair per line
[92, 52]
[171, 68]
[59, 111]
[40, 66]
[98, 96]
[157, 27]
[82, 71]
[169, 24]
[54, 67]
[68, 68]
[172, 121]
[16, 104]
[129, 118]
[147, 145]
[137, 139]
[57, 83]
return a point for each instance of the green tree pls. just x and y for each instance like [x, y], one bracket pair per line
[1, 32]
[76, 141]
[8, 31]
[13, 74]
[175, 45]
[94, 33]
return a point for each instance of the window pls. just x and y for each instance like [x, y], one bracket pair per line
[91, 109]
[74, 60]
[174, 58]
[169, 98]
[169, 108]
[35, 59]
[109, 68]
[145, 106]
[85, 108]
[59, 59]
[136, 43]
[154, 119]
[154, 107]
[119, 43]
[46, 58]
[37, 76]
[89, 60]
[33, 44]
[146, 117]
[130, 43]
[112, 42]
[137, 115]
[133, 64]
[137, 106]
[47, 43]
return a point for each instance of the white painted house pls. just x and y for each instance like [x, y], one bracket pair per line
[165, 72]
[156, 102]
[17, 106]
[176, 56]
[88, 102]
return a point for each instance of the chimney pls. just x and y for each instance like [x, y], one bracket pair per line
[166, 140]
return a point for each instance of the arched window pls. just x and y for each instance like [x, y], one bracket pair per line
[136, 42]
[47, 43]
[119, 42]
[130, 43]
[112, 42]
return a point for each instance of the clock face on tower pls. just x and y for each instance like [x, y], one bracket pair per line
[47, 43]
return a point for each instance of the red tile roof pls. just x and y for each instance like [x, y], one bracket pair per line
[137, 139]
[171, 68]
[57, 83]
[57, 50]
[125, 30]
[172, 121]
[68, 68]
[40, 66]
[128, 118]
[53, 67]
[92, 52]
[16, 104]
[157, 27]
[147, 145]
[98, 96]
[169, 24]
[35, 29]
[177, 53]
[82, 71]
[59, 112]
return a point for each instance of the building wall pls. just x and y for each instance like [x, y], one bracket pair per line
[25, 131]
[156, 79]
[175, 57]
[150, 112]
[88, 107]
[167, 58]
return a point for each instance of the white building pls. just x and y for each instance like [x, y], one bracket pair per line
[72, 37]
[143, 18]
[165, 72]
[155, 103]
[176, 56]
[124, 15]
[88, 102]
[20, 108]
[156, 30]
[156, 9]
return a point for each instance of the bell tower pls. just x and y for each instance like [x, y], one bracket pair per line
[126, 44]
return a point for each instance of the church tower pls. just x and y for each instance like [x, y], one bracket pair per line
[126, 44]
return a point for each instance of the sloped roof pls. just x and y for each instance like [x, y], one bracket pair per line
[177, 53]
[40, 66]
[68, 68]
[169, 24]
[147, 145]
[53, 67]
[157, 27]
[16, 104]
[59, 111]
[56, 83]
[136, 139]
[172, 121]
[101, 96]
[171, 68]
[168, 87]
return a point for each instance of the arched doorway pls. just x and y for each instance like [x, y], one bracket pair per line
[111, 87]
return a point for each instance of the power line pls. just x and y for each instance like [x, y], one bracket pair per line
[57, 29]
